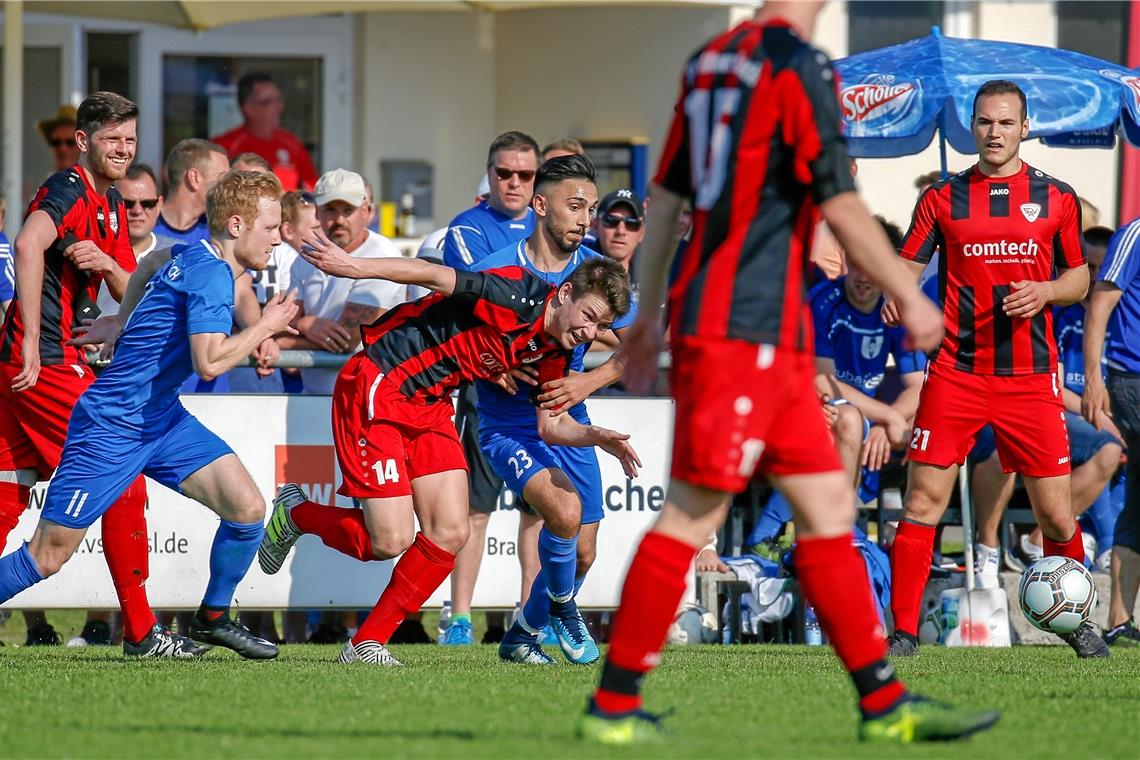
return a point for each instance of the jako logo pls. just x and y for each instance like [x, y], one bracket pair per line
[311, 467]
[872, 100]
[1001, 248]
[999, 191]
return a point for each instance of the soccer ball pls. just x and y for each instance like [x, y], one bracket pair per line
[693, 625]
[1057, 594]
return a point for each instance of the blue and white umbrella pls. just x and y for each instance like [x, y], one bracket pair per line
[894, 99]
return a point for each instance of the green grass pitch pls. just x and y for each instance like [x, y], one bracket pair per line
[741, 701]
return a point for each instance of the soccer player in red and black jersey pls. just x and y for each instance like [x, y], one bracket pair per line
[74, 238]
[755, 144]
[1003, 228]
[395, 440]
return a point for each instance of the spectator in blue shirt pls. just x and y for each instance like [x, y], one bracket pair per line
[1114, 308]
[7, 269]
[505, 217]
[192, 168]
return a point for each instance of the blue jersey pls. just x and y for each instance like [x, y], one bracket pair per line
[197, 231]
[137, 395]
[480, 231]
[1121, 267]
[7, 270]
[497, 408]
[1069, 329]
[858, 343]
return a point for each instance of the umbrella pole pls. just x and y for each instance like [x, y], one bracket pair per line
[942, 143]
[13, 108]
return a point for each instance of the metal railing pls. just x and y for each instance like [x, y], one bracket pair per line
[300, 359]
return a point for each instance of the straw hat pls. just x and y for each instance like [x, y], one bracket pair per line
[65, 115]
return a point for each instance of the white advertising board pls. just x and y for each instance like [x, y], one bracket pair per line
[288, 438]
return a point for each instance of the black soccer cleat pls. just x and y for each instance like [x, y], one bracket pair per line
[161, 642]
[43, 635]
[902, 644]
[224, 632]
[1086, 642]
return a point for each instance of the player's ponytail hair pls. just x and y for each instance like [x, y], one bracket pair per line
[237, 193]
[606, 278]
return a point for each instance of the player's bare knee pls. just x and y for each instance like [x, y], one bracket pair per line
[1107, 459]
[848, 425]
[391, 544]
[587, 553]
[450, 538]
[564, 523]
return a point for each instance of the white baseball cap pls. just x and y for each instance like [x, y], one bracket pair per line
[484, 187]
[341, 185]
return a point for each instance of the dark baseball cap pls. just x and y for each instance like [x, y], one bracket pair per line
[626, 197]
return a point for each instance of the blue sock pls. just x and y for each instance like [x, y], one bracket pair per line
[235, 546]
[559, 558]
[776, 514]
[18, 571]
[1102, 517]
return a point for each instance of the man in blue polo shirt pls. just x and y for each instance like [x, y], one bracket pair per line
[1115, 309]
[564, 485]
[502, 218]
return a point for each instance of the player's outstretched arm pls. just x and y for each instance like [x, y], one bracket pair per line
[214, 354]
[332, 259]
[867, 245]
[564, 430]
[1095, 402]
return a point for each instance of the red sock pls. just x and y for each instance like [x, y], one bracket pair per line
[13, 502]
[1074, 548]
[128, 559]
[340, 529]
[833, 579]
[653, 590]
[416, 576]
[910, 569]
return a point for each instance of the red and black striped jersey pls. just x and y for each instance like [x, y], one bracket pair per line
[994, 231]
[755, 143]
[79, 212]
[490, 324]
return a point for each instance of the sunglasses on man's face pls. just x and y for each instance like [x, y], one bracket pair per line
[59, 143]
[148, 204]
[503, 173]
[611, 221]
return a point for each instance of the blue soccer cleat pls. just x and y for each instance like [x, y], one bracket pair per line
[459, 633]
[519, 645]
[574, 637]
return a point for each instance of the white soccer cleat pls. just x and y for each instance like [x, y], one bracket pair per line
[281, 532]
[371, 652]
[987, 564]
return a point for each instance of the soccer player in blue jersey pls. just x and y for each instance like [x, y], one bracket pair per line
[503, 216]
[1112, 326]
[563, 484]
[131, 422]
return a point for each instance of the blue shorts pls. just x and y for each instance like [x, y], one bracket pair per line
[1084, 439]
[517, 456]
[98, 464]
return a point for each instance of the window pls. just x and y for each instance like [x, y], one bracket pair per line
[1095, 28]
[199, 95]
[111, 63]
[872, 24]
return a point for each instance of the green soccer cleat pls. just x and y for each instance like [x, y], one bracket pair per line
[636, 727]
[281, 532]
[918, 719]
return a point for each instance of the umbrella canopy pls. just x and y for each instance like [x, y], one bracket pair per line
[207, 14]
[894, 98]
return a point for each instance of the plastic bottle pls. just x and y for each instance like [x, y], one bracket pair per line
[813, 634]
[407, 215]
[444, 619]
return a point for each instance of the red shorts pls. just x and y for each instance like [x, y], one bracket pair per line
[744, 409]
[33, 424]
[1025, 411]
[385, 441]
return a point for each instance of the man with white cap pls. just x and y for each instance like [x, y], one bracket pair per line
[333, 308]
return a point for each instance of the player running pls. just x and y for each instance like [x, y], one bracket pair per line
[563, 484]
[74, 238]
[397, 446]
[131, 423]
[1002, 228]
[755, 144]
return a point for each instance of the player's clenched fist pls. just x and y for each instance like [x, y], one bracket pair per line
[87, 256]
[1027, 298]
[280, 311]
[923, 322]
